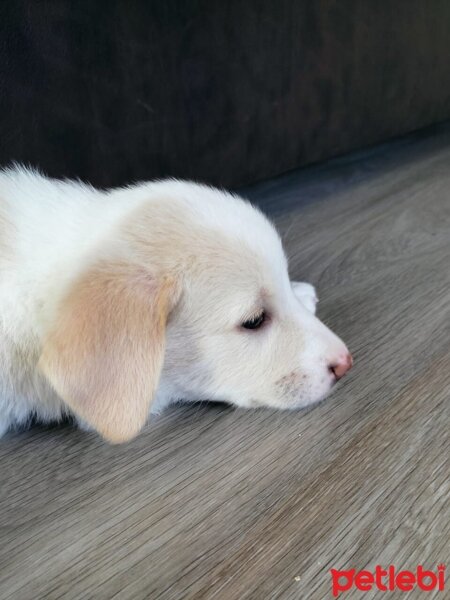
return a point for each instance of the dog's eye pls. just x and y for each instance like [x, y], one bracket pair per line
[255, 322]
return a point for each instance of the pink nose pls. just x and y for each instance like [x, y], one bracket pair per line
[342, 366]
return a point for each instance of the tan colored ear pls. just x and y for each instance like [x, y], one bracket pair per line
[105, 353]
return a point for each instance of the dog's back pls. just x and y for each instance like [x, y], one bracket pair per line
[48, 230]
[43, 226]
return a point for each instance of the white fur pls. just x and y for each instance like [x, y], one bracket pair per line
[228, 262]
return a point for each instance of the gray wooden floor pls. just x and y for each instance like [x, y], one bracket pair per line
[212, 502]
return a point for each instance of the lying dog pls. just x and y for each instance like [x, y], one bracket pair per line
[114, 303]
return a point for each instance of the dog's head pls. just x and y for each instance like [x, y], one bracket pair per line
[189, 298]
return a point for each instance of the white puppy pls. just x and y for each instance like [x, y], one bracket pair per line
[114, 301]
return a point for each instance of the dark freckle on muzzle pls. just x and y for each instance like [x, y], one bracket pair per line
[289, 385]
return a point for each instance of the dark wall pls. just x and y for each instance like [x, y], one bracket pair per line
[223, 91]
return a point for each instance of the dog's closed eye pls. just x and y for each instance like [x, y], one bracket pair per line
[256, 321]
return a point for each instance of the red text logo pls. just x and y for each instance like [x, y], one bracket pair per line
[388, 580]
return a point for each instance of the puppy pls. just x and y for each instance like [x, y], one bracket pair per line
[114, 302]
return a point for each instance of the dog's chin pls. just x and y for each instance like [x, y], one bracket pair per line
[300, 400]
[312, 401]
[302, 403]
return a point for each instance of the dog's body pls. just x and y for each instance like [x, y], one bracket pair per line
[111, 301]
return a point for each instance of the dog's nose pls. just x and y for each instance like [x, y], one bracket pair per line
[342, 366]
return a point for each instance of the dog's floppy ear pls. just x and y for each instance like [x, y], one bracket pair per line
[105, 352]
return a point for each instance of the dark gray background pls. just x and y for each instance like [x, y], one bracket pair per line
[222, 91]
